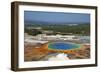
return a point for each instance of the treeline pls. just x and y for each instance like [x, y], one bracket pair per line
[81, 29]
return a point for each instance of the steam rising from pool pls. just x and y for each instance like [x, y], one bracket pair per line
[59, 57]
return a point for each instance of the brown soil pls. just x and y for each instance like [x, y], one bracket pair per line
[33, 53]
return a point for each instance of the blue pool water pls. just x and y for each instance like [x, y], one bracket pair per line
[62, 46]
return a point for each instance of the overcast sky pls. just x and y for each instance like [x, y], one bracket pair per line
[56, 17]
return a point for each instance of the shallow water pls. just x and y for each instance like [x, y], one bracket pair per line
[84, 39]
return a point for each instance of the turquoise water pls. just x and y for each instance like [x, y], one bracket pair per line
[62, 46]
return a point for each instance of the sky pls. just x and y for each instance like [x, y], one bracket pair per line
[55, 17]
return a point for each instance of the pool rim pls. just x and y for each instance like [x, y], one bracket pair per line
[80, 45]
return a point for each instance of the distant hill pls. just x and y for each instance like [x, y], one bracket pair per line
[50, 23]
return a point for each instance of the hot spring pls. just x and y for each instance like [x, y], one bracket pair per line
[63, 46]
